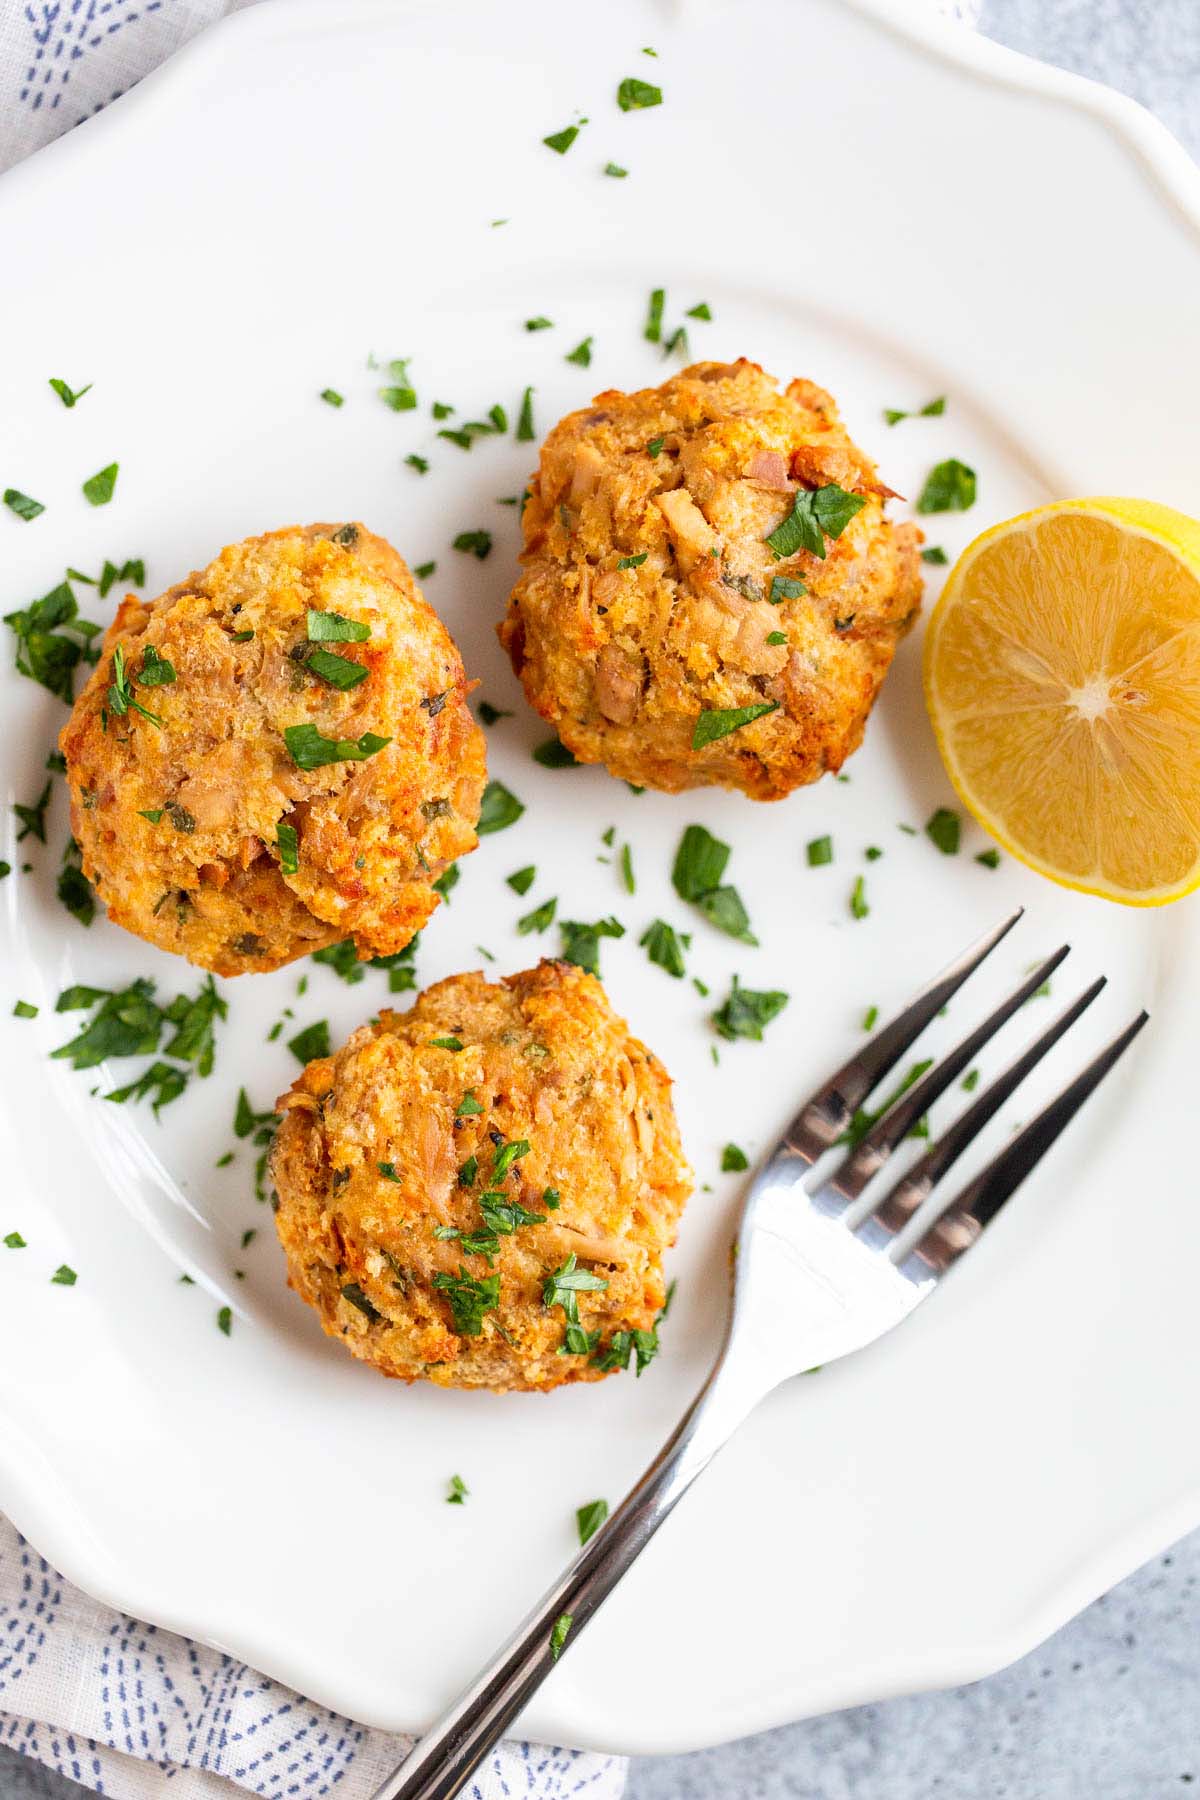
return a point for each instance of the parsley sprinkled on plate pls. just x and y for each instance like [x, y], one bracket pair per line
[858, 898]
[99, 488]
[67, 394]
[525, 433]
[422, 572]
[14, 1241]
[561, 141]
[989, 858]
[747, 1012]
[582, 353]
[539, 919]
[589, 1519]
[539, 324]
[419, 463]
[310, 750]
[499, 810]
[311, 1043]
[33, 818]
[581, 942]
[678, 341]
[558, 1637]
[400, 395]
[944, 829]
[711, 726]
[289, 848]
[475, 543]
[664, 946]
[469, 1300]
[24, 1010]
[634, 95]
[24, 505]
[616, 171]
[935, 555]
[652, 330]
[458, 1491]
[870, 1018]
[331, 397]
[817, 514]
[521, 880]
[625, 864]
[64, 1276]
[933, 409]
[949, 487]
[700, 311]
[699, 863]
[733, 1160]
[819, 851]
[553, 754]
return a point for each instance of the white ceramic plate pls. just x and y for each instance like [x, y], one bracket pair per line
[899, 214]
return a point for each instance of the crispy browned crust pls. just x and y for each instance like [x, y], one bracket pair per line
[205, 879]
[623, 661]
[548, 1061]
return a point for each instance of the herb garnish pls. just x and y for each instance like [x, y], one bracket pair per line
[156, 670]
[632, 562]
[553, 754]
[288, 841]
[24, 505]
[862, 1120]
[733, 1160]
[419, 463]
[701, 311]
[401, 396]
[521, 880]
[711, 726]
[936, 555]
[819, 851]
[311, 1043]
[581, 354]
[336, 671]
[944, 830]
[558, 1635]
[858, 898]
[590, 1518]
[634, 95]
[785, 587]
[817, 513]
[664, 946]
[469, 1300]
[476, 543]
[422, 572]
[334, 628]
[73, 888]
[539, 324]
[499, 809]
[628, 881]
[777, 637]
[458, 1491]
[24, 1010]
[64, 1276]
[331, 397]
[66, 393]
[388, 1171]
[446, 1043]
[933, 409]
[98, 489]
[310, 750]
[581, 942]
[989, 858]
[525, 433]
[539, 919]
[747, 1012]
[654, 447]
[561, 141]
[652, 330]
[33, 818]
[52, 639]
[14, 1241]
[949, 487]
[566, 1283]
[616, 171]
[120, 693]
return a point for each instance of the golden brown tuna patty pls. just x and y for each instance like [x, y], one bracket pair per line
[646, 595]
[179, 821]
[428, 1194]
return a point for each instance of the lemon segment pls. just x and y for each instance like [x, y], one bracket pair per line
[1062, 676]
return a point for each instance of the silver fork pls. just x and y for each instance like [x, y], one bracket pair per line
[820, 1268]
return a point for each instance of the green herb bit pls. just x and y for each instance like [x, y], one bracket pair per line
[723, 907]
[582, 353]
[458, 1491]
[589, 1519]
[500, 809]
[357, 1298]
[561, 141]
[581, 942]
[663, 946]
[785, 587]
[747, 1012]
[334, 628]
[625, 863]
[944, 830]
[401, 396]
[469, 1299]
[475, 543]
[64, 1276]
[73, 888]
[652, 330]
[552, 754]
[870, 1018]
[120, 694]
[654, 447]
[422, 572]
[163, 1081]
[445, 882]
[678, 340]
[419, 463]
[858, 898]
[311, 1043]
[156, 670]
[525, 433]
[552, 1199]
[388, 1171]
[817, 514]
[98, 489]
[699, 863]
[288, 843]
[331, 397]
[616, 171]
[632, 562]
[336, 671]
[634, 95]
[14, 1241]
[568, 1281]
[936, 555]
[66, 393]
[241, 637]
[733, 1160]
[970, 1081]
[23, 1010]
[309, 749]
[872, 853]
[819, 852]
[949, 487]
[777, 637]
[989, 858]
[711, 726]
[446, 1043]
[24, 505]
[558, 1635]
[133, 569]
[539, 919]
[502, 1216]
[862, 1120]
[468, 1107]
[33, 818]
[539, 324]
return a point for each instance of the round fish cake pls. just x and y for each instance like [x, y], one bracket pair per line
[479, 1191]
[276, 754]
[653, 609]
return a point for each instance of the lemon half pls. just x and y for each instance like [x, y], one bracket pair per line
[1062, 676]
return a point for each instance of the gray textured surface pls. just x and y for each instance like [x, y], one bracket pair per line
[1108, 1708]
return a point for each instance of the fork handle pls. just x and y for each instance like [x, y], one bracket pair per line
[452, 1749]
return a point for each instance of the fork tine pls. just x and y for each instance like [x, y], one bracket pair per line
[873, 1148]
[822, 1120]
[963, 1218]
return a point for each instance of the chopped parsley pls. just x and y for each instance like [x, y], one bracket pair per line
[156, 670]
[401, 395]
[161, 1082]
[553, 754]
[449, 878]
[120, 693]
[24, 1010]
[64, 1276]
[678, 340]
[388, 1171]
[98, 489]
[128, 1023]
[72, 886]
[469, 1300]
[699, 863]
[422, 572]
[858, 898]
[872, 853]
[310, 750]
[521, 880]
[723, 908]
[634, 95]
[785, 587]
[581, 942]
[331, 397]
[628, 881]
[468, 1107]
[334, 628]
[24, 505]
[870, 1018]
[616, 171]
[664, 946]
[936, 555]
[700, 311]
[66, 393]
[582, 353]
[747, 1012]
[989, 858]
[475, 543]
[289, 848]
[568, 1281]
[561, 141]
[777, 637]
[652, 330]
[458, 1491]
[733, 1160]
[944, 830]
[654, 447]
[710, 726]
[440, 410]
[862, 1119]
[311, 1043]
[558, 1635]
[590, 1518]
[817, 513]
[819, 851]
[970, 1081]
[14, 1241]
[525, 433]
[52, 640]
[355, 1295]
[419, 463]
[33, 818]
[949, 487]
[933, 409]
[539, 324]
[446, 1043]
[499, 809]
[336, 671]
[539, 919]
[632, 562]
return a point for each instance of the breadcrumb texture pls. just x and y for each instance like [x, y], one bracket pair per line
[548, 1062]
[205, 879]
[622, 661]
